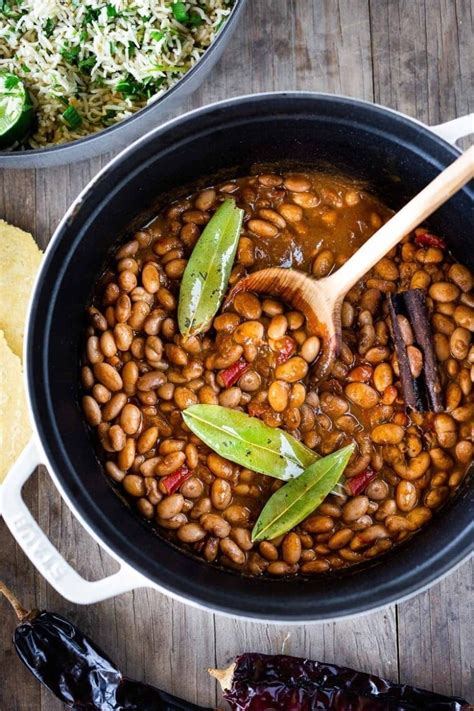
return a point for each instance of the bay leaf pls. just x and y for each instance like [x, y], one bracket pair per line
[207, 272]
[291, 504]
[248, 441]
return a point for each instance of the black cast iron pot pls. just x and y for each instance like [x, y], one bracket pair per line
[397, 156]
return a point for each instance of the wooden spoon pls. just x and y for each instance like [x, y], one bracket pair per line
[320, 300]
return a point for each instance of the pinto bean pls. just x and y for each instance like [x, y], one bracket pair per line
[418, 516]
[170, 506]
[191, 533]
[268, 550]
[355, 508]
[323, 263]
[184, 397]
[310, 349]
[459, 343]
[134, 485]
[232, 551]
[278, 394]
[446, 430]
[247, 305]
[318, 524]
[108, 376]
[362, 395]
[249, 332]
[406, 496]
[291, 213]
[273, 217]
[291, 548]
[262, 228]
[242, 537]
[444, 291]
[461, 276]
[221, 494]
[293, 370]
[220, 467]
[414, 469]
[212, 523]
[205, 200]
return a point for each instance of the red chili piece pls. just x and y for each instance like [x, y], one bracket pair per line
[173, 481]
[286, 348]
[426, 239]
[358, 483]
[230, 375]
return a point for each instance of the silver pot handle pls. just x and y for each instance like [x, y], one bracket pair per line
[456, 129]
[39, 549]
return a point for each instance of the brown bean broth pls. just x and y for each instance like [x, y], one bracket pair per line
[339, 218]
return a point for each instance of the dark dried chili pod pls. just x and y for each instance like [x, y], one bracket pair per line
[258, 682]
[77, 671]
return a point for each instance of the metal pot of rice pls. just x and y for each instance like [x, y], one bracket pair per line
[99, 75]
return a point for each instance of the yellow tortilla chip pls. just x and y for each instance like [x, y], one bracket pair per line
[19, 262]
[15, 428]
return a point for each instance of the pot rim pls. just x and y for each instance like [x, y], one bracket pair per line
[443, 566]
[102, 135]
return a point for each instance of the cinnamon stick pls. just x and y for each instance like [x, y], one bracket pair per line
[423, 392]
[415, 300]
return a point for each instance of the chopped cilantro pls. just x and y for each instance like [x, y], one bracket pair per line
[86, 64]
[156, 35]
[91, 15]
[48, 27]
[179, 12]
[70, 53]
[11, 81]
[112, 11]
[195, 20]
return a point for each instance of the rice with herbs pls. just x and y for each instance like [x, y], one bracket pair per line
[90, 64]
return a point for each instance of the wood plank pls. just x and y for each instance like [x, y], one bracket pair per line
[436, 640]
[421, 57]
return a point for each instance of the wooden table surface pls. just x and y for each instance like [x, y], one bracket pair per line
[412, 55]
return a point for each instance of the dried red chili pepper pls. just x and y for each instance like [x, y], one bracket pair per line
[77, 671]
[426, 239]
[356, 484]
[230, 375]
[286, 348]
[257, 682]
[173, 481]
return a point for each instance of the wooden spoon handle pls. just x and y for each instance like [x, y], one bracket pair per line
[410, 216]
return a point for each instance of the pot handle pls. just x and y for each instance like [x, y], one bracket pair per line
[453, 130]
[39, 549]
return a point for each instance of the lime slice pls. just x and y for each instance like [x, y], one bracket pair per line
[16, 110]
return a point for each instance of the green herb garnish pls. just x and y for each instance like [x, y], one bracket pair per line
[48, 27]
[248, 441]
[70, 54]
[112, 11]
[179, 12]
[91, 15]
[10, 81]
[301, 496]
[207, 273]
[72, 117]
[86, 64]
[195, 20]
[156, 35]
